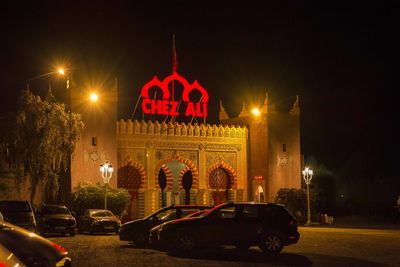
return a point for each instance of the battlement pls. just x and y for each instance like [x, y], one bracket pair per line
[180, 129]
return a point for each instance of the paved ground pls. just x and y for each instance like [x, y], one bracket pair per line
[318, 246]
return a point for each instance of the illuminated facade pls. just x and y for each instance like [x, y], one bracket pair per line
[176, 163]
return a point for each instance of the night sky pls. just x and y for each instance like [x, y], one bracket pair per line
[342, 61]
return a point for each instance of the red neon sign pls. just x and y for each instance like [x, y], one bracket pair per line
[168, 106]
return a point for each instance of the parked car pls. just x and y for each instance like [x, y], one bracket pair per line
[97, 220]
[137, 231]
[32, 249]
[19, 213]
[55, 219]
[269, 226]
[7, 258]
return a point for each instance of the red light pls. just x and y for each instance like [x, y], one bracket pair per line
[59, 248]
[3, 264]
[167, 105]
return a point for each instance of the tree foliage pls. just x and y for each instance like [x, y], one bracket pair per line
[295, 200]
[45, 136]
[88, 196]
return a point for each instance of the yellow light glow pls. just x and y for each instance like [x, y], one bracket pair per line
[256, 112]
[32, 234]
[93, 97]
[61, 71]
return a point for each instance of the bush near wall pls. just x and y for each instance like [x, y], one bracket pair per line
[295, 201]
[89, 196]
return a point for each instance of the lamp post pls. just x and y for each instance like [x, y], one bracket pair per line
[106, 171]
[307, 175]
[62, 72]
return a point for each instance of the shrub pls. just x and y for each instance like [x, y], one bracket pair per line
[89, 196]
[295, 200]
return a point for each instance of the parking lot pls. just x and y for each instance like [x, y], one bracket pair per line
[318, 246]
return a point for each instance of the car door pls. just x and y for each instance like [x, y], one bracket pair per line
[216, 228]
[247, 225]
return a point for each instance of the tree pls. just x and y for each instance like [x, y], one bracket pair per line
[46, 134]
[88, 196]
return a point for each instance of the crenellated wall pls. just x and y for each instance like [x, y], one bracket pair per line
[198, 147]
[180, 129]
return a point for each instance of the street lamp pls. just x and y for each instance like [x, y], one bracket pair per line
[106, 171]
[307, 175]
[256, 112]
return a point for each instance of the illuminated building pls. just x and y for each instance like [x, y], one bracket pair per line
[162, 163]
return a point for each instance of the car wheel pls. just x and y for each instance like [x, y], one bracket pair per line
[186, 243]
[242, 246]
[141, 240]
[271, 243]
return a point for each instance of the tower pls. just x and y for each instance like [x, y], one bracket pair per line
[273, 149]
[98, 142]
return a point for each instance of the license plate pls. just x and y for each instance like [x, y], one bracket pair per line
[60, 228]
[108, 227]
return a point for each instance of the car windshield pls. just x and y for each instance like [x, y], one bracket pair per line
[55, 210]
[14, 206]
[167, 215]
[103, 213]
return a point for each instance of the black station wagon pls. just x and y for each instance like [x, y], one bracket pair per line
[244, 224]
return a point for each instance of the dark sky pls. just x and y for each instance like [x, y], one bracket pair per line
[342, 61]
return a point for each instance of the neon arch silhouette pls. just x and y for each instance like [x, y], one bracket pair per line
[166, 96]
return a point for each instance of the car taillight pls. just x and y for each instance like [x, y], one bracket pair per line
[3, 264]
[59, 248]
[293, 223]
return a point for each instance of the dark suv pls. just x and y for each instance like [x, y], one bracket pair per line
[18, 212]
[138, 231]
[55, 219]
[243, 224]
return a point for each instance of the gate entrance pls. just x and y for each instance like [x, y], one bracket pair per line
[129, 178]
[219, 183]
[175, 181]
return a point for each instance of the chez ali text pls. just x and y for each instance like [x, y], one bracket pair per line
[167, 105]
[170, 107]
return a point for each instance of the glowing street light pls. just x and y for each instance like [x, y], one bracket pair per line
[93, 97]
[256, 112]
[307, 176]
[106, 171]
[61, 71]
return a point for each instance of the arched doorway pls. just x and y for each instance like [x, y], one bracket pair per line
[259, 194]
[130, 179]
[219, 183]
[169, 173]
[162, 182]
[187, 181]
